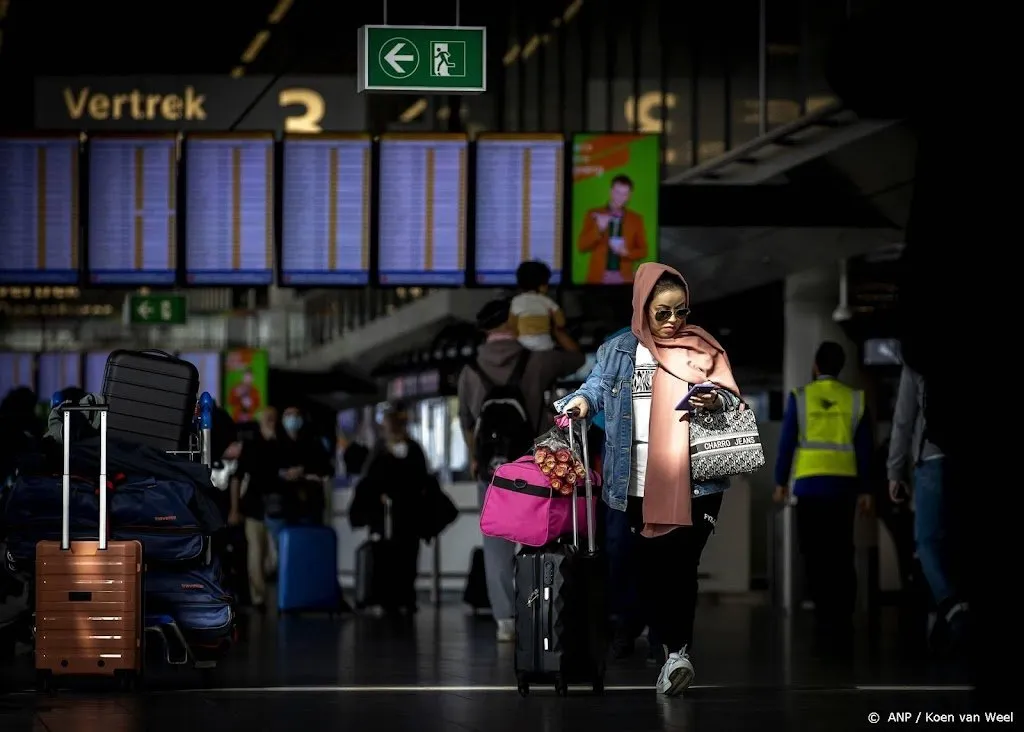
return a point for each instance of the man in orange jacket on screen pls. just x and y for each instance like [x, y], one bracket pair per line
[614, 236]
[244, 399]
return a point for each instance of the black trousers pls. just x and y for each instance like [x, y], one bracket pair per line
[666, 570]
[824, 528]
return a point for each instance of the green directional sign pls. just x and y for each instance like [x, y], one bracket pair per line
[157, 309]
[419, 58]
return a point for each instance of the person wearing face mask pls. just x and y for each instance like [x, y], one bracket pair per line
[639, 379]
[304, 465]
[391, 488]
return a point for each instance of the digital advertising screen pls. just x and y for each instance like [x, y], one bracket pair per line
[325, 238]
[57, 371]
[40, 233]
[133, 229]
[615, 183]
[246, 371]
[519, 205]
[229, 209]
[95, 365]
[209, 365]
[422, 209]
[16, 370]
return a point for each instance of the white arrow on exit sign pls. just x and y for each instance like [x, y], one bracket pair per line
[395, 58]
[144, 310]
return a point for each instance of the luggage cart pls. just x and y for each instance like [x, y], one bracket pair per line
[177, 651]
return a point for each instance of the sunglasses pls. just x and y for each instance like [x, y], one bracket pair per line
[660, 316]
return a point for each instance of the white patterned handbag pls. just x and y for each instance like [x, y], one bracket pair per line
[724, 443]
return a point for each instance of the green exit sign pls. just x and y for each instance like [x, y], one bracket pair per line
[157, 309]
[420, 58]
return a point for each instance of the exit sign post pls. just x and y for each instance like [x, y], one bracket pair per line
[157, 309]
[420, 58]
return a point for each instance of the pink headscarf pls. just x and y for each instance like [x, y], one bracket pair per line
[691, 357]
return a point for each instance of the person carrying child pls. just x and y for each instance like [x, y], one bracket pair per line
[533, 314]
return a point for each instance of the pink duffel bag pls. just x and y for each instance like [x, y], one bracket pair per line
[521, 506]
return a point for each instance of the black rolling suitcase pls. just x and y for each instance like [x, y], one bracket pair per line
[561, 608]
[375, 561]
[151, 397]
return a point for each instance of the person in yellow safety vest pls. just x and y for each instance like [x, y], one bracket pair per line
[825, 449]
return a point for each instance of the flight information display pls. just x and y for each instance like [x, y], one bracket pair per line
[209, 365]
[16, 370]
[520, 181]
[57, 371]
[229, 209]
[39, 221]
[133, 237]
[326, 211]
[95, 365]
[422, 209]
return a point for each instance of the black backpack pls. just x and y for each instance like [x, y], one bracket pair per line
[503, 430]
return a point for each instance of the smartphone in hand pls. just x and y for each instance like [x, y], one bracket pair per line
[685, 405]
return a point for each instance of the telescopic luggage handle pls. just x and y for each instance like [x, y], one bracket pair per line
[65, 493]
[573, 416]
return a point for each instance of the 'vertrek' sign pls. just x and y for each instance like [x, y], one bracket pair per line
[202, 103]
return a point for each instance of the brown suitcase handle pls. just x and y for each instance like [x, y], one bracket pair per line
[65, 493]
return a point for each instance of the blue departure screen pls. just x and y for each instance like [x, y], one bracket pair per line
[133, 238]
[39, 222]
[57, 371]
[17, 370]
[326, 212]
[519, 205]
[229, 210]
[422, 209]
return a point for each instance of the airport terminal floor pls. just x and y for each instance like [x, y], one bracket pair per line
[442, 670]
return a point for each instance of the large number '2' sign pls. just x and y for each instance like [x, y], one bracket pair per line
[313, 108]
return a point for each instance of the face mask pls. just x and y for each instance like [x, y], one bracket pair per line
[400, 450]
[292, 424]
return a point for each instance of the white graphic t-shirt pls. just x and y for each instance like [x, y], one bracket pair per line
[643, 385]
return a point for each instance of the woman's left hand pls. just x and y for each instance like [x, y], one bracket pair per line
[711, 401]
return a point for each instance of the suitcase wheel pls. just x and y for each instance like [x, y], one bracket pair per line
[128, 681]
[561, 686]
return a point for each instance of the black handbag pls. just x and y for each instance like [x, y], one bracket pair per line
[438, 509]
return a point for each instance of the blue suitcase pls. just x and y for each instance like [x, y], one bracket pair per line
[307, 572]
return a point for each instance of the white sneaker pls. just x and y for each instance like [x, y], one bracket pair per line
[676, 675]
[506, 630]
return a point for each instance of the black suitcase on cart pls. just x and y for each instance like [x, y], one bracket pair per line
[561, 608]
[151, 398]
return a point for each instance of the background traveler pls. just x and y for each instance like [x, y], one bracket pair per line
[396, 473]
[496, 358]
[912, 453]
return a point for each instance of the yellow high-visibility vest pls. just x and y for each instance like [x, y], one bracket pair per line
[828, 413]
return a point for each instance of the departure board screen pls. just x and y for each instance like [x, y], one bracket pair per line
[133, 238]
[229, 209]
[326, 211]
[16, 370]
[57, 371]
[208, 363]
[95, 365]
[39, 223]
[520, 182]
[422, 209]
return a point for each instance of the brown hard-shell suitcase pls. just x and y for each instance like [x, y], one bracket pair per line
[89, 613]
[151, 397]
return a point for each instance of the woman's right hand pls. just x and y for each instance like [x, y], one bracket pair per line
[577, 408]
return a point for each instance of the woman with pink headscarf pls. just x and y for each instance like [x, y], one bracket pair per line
[640, 378]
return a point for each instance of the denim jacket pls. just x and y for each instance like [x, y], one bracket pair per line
[609, 389]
